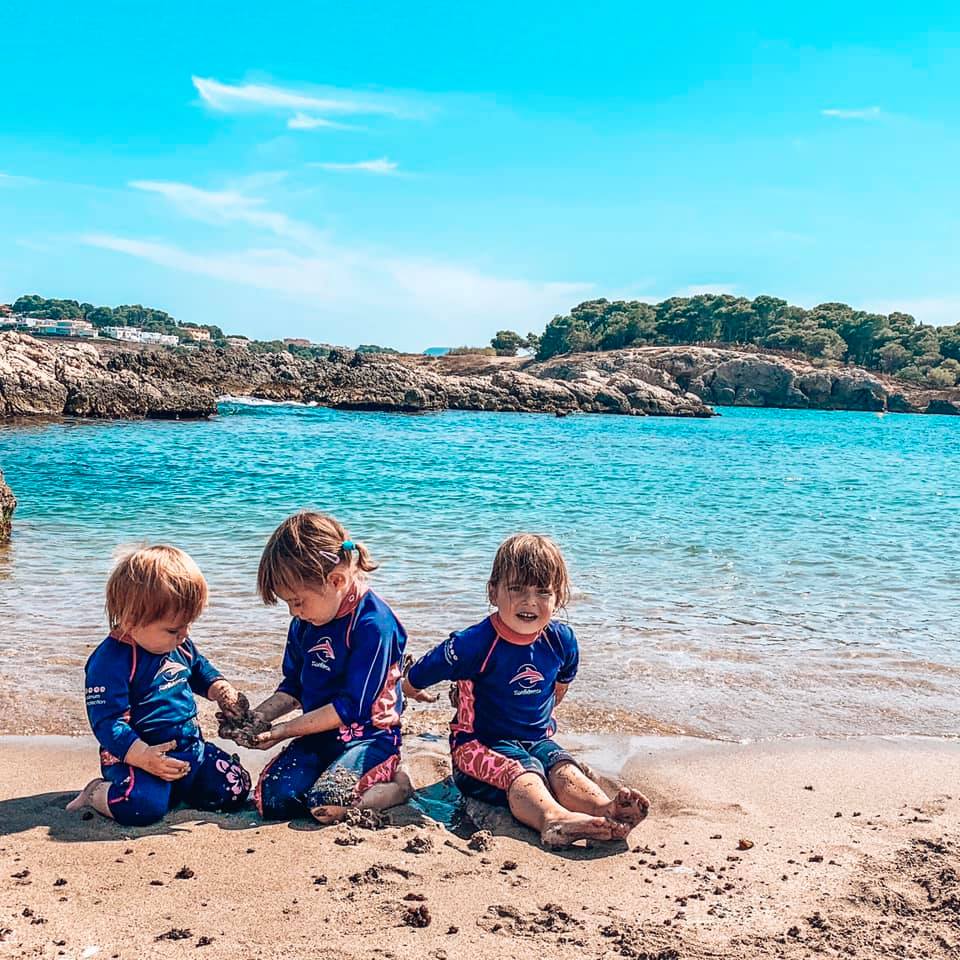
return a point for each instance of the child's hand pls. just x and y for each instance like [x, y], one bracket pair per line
[231, 701]
[274, 735]
[412, 693]
[155, 760]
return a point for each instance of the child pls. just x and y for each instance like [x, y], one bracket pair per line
[511, 671]
[341, 666]
[140, 686]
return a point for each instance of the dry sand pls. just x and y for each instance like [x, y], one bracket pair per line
[854, 851]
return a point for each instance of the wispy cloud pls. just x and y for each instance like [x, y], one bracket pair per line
[307, 108]
[862, 113]
[13, 180]
[303, 121]
[450, 303]
[383, 167]
[355, 283]
[229, 206]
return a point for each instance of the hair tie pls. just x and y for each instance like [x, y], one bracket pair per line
[347, 545]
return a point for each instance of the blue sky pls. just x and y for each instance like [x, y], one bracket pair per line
[426, 174]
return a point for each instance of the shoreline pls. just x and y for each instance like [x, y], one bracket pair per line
[848, 854]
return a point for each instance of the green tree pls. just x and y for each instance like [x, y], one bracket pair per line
[507, 343]
[893, 356]
[942, 376]
[565, 335]
[806, 337]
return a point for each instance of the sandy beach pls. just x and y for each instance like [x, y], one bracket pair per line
[810, 847]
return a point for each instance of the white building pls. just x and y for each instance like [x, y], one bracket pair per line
[136, 335]
[123, 333]
[56, 328]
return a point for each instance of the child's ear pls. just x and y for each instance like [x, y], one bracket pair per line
[337, 580]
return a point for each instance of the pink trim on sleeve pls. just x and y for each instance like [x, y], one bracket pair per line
[384, 711]
[493, 646]
[466, 712]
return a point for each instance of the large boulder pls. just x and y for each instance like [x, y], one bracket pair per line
[747, 378]
[56, 379]
[28, 378]
[620, 382]
[8, 503]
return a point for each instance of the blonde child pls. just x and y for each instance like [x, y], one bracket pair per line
[511, 670]
[140, 687]
[341, 667]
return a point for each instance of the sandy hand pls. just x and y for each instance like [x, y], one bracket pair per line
[242, 725]
[264, 739]
[233, 704]
[409, 690]
[155, 760]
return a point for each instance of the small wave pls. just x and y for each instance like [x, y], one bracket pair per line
[260, 402]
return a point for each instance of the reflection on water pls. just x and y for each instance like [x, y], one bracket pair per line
[765, 574]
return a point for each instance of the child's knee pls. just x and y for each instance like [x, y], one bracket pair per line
[275, 800]
[142, 810]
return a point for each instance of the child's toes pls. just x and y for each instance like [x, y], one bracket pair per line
[620, 829]
[630, 806]
[562, 833]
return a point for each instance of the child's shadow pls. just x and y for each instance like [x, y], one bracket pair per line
[441, 802]
[499, 822]
[19, 814]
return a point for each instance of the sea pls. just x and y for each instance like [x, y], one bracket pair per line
[766, 574]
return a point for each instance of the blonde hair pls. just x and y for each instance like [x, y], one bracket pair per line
[304, 549]
[530, 560]
[154, 583]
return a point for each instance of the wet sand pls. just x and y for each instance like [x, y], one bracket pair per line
[852, 848]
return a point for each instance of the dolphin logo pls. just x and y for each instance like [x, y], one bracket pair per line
[325, 647]
[170, 669]
[528, 675]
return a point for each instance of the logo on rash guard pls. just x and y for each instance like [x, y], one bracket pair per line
[172, 673]
[325, 649]
[528, 677]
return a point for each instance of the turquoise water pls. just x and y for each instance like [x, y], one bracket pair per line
[768, 573]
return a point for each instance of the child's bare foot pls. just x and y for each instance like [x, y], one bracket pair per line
[578, 826]
[87, 796]
[628, 807]
[329, 814]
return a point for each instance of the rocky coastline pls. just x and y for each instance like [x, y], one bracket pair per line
[46, 378]
[39, 377]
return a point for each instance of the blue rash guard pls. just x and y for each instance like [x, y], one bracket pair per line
[354, 663]
[506, 683]
[134, 694]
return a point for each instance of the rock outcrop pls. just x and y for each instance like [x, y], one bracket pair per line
[742, 378]
[8, 503]
[43, 377]
[40, 377]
